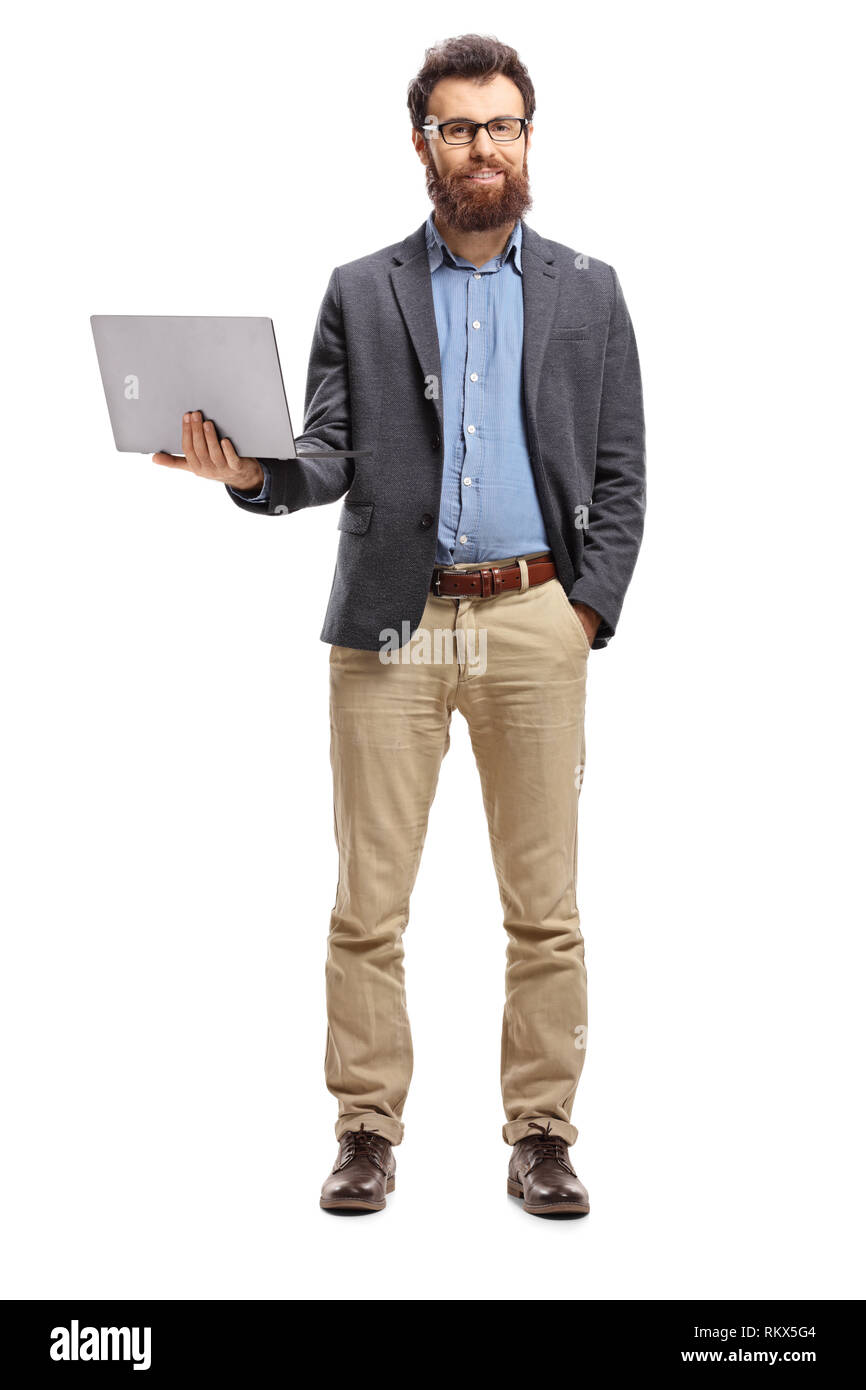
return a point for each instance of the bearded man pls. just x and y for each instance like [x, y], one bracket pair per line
[491, 376]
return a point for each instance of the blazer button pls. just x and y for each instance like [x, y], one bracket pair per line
[435, 441]
[426, 521]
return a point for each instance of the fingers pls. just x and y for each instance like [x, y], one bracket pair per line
[215, 453]
[199, 446]
[186, 443]
[209, 458]
[169, 460]
[203, 451]
[229, 454]
[234, 464]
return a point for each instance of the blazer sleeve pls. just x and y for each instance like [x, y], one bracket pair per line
[616, 516]
[296, 483]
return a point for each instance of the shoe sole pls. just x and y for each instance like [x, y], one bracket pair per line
[355, 1203]
[548, 1208]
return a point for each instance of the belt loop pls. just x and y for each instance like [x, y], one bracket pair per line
[524, 575]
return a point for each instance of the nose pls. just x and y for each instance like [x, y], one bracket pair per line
[483, 145]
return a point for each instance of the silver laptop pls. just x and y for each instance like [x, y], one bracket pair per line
[155, 368]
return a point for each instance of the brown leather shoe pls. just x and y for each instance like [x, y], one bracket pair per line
[362, 1174]
[540, 1173]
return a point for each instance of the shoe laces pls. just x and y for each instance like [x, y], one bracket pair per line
[547, 1145]
[364, 1143]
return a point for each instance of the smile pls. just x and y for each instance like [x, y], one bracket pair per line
[487, 177]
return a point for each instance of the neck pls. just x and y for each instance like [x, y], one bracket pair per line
[476, 247]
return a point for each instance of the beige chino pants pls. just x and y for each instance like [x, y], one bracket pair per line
[517, 672]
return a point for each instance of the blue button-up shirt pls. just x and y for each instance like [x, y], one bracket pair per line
[489, 507]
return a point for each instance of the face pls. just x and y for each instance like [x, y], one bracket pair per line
[486, 184]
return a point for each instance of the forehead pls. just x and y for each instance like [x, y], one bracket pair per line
[463, 96]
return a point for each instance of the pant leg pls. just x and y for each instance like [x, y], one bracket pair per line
[526, 718]
[389, 734]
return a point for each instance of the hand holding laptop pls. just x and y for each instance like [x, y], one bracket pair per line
[153, 365]
[208, 456]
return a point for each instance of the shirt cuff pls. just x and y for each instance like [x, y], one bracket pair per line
[264, 492]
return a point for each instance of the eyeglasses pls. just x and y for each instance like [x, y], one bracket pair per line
[501, 129]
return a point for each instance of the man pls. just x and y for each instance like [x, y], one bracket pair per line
[493, 377]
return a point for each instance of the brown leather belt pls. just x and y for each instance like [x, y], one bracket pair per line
[488, 580]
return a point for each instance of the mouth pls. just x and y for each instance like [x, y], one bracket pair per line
[485, 176]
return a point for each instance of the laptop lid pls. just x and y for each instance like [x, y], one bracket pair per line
[156, 367]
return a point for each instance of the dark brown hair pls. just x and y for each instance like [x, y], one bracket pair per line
[470, 55]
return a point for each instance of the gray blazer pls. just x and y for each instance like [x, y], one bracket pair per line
[375, 354]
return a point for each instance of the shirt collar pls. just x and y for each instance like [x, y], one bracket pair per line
[437, 249]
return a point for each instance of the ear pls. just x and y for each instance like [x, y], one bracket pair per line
[419, 140]
[528, 137]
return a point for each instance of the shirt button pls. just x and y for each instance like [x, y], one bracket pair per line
[476, 324]
[463, 540]
[477, 275]
[473, 376]
[468, 482]
[470, 429]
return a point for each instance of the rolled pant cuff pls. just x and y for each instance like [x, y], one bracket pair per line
[392, 1130]
[522, 1129]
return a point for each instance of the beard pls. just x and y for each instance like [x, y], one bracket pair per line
[469, 207]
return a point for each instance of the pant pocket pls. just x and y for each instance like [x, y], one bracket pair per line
[573, 616]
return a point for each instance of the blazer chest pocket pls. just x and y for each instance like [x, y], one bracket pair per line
[570, 335]
[355, 517]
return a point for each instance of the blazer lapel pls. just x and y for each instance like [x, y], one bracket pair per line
[540, 293]
[414, 291]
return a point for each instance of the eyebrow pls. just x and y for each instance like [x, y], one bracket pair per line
[472, 120]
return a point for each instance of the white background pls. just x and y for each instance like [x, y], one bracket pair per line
[168, 836]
